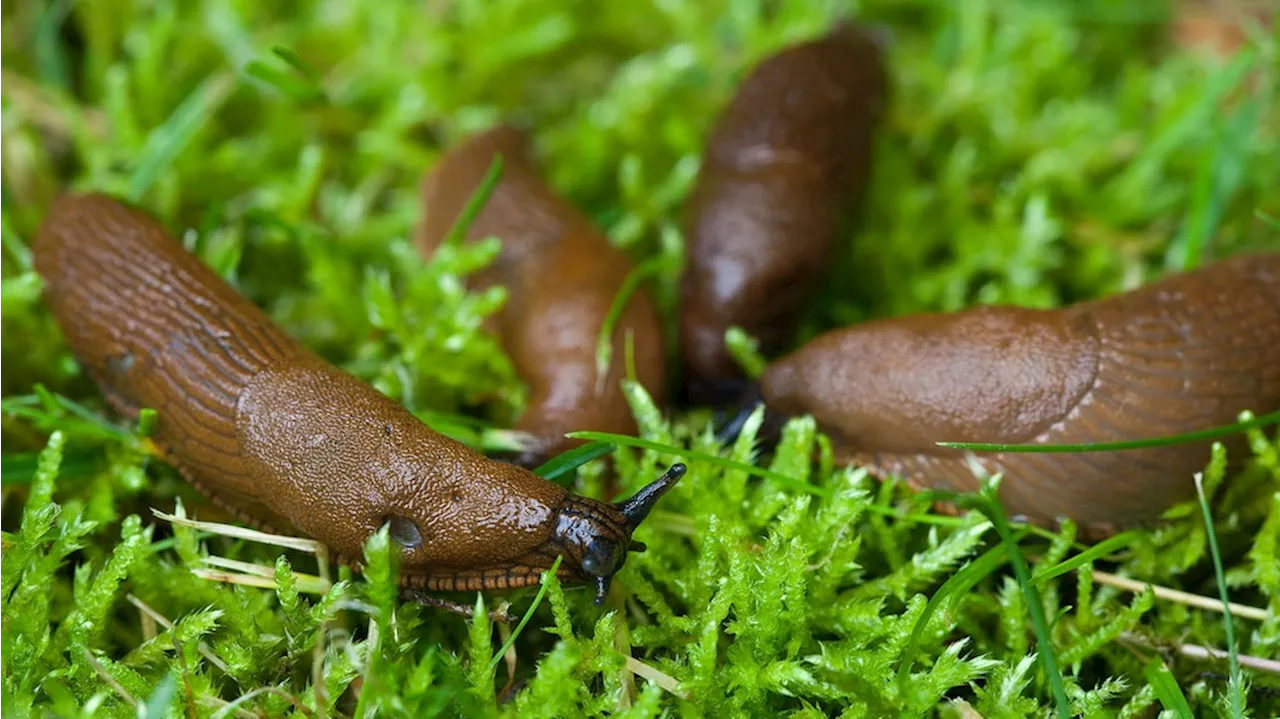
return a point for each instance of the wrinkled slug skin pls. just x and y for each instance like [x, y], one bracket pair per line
[785, 166]
[1182, 354]
[266, 428]
[561, 276]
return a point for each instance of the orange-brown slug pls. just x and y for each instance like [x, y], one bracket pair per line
[1186, 353]
[561, 276]
[785, 166]
[283, 439]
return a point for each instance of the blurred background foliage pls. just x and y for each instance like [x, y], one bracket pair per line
[1037, 153]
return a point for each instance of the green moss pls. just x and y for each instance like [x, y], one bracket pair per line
[1036, 153]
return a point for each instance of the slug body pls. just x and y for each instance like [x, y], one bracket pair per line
[275, 434]
[561, 277]
[1184, 354]
[785, 166]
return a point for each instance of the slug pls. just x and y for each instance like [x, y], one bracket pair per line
[561, 276]
[785, 168]
[1186, 353]
[283, 439]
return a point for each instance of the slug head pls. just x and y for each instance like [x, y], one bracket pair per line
[513, 531]
[596, 536]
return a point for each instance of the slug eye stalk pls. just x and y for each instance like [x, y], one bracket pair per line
[603, 558]
[638, 506]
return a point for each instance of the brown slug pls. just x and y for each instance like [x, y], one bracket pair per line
[561, 276]
[1186, 353]
[273, 433]
[785, 167]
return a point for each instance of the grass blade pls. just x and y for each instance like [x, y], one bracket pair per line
[1191, 122]
[1101, 549]
[476, 202]
[746, 351]
[1218, 182]
[986, 501]
[166, 142]
[302, 84]
[1236, 682]
[50, 53]
[295, 61]
[955, 586]
[604, 345]
[566, 462]
[21, 468]
[537, 599]
[158, 705]
[1167, 689]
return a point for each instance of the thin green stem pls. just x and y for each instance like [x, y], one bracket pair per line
[1234, 682]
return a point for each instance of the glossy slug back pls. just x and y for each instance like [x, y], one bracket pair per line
[785, 165]
[1183, 354]
[561, 276]
[285, 440]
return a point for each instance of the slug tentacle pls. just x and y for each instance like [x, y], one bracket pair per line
[1183, 354]
[639, 505]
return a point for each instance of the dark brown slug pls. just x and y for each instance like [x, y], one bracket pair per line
[785, 167]
[1183, 354]
[283, 439]
[561, 276]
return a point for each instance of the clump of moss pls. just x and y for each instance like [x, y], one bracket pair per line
[1037, 153]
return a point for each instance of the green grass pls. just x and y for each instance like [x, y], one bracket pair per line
[1037, 153]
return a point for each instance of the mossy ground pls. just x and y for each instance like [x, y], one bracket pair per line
[1037, 153]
